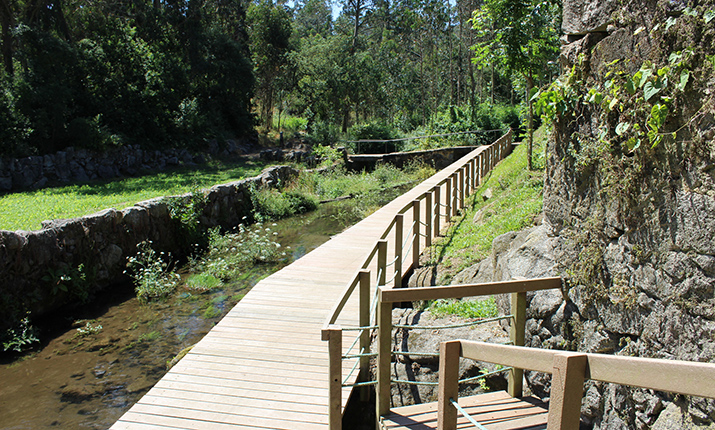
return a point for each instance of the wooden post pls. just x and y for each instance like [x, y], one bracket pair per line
[567, 390]
[462, 186]
[455, 191]
[365, 334]
[416, 231]
[428, 219]
[518, 326]
[384, 357]
[449, 353]
[381, 262]
[437, 209]
[478, 171]
[448, 199]
[399, 225]
[334, 335]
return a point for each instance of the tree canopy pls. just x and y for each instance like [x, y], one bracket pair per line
[101, 73]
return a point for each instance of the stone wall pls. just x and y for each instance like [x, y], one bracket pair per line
[437, 158]
[32, 261]
[78, 165]
[630, 231]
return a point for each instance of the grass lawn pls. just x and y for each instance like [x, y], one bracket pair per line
[517, 198]
[26, 210]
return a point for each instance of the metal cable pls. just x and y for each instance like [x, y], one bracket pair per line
[466, 415]
[436, 327]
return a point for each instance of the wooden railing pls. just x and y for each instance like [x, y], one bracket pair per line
[517, 290]
[428, 212]
[569, 371]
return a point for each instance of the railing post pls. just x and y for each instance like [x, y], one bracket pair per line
[399, 225]
[365, 334]
[384, 357]
[428, 219]
[518, 326]
[462, 186]
[381, 262]
[334, 335]
[449, 353]
[416, 238]
[437, 209]
[566, 391]
[448, 199]
[455, 191]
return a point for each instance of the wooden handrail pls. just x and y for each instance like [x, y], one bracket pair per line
[467, 290]
[464, 170]
[569, 370]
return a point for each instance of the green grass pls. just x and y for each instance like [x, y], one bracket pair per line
[486, 308]
[517, 198]
[26, 210]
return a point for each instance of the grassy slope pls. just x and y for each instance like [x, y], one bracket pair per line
[517, 198]
[26, 210]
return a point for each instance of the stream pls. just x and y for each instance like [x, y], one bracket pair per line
[94, 364]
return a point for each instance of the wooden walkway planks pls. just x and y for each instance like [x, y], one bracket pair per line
[263, 365]
[495, 411]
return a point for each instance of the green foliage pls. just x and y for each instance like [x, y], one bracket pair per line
[517, 198]
[231, 253]
[19, 337]
[100, 74]
[203, 282]
[186, 211]
[327, 155]
[153, 277]
[323, 133]
[90, 328]
[74, 282]
[376, 130]
[271, 204]
[26, 210]
[481, 309]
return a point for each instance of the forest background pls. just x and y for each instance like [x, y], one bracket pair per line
[99, 74]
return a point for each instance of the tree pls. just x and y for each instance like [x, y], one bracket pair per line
[269, 42]
[524, 35]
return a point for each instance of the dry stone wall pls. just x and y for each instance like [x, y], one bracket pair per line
[31, 262]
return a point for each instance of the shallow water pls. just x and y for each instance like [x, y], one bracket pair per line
[77, 380]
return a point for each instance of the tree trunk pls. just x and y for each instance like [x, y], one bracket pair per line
[530, 142]
[6, 20]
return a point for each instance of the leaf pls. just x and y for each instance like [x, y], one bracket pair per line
[633, 143]
[638, 30]
[658, 115]
[709, 15]
[684, 77]
[690, 11]
[646, 73]
[630, 86]
[622, 128]
[669, 23]
[613, 104]
[650, 90]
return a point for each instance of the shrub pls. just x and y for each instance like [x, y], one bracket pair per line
[153, 278]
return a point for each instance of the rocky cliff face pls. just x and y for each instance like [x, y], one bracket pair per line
[629, 203]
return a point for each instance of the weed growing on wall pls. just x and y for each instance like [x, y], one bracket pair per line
[230, 253]
[19, 337]
[152, 273]
[481, 309]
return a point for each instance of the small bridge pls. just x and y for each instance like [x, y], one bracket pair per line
[264, 364]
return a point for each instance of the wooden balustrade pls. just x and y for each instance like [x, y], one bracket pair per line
[449, 194]
[569, 371]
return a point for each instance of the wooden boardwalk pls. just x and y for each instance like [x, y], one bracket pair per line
[264, 364]
[494, 411]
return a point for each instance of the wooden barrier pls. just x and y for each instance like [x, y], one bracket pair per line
[569, 371]
[426, 223]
